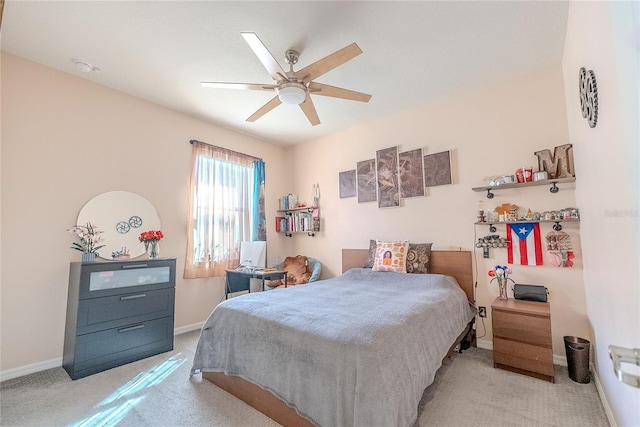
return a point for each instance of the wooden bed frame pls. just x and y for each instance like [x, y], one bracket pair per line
[452, 263]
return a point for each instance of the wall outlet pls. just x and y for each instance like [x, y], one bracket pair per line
[482, 311]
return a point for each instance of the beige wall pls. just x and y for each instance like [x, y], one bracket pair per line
[490, 131]
[67, 140]
[608, 195]
[64, 141]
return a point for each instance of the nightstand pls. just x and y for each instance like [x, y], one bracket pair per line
[522, 337]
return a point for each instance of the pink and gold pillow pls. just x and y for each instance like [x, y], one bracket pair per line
[391, 256]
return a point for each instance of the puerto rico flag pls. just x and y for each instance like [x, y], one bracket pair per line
[525, 245]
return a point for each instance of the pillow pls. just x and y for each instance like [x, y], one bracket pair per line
[391, 256]
[297, 268]
[419, 258]
[372, 254]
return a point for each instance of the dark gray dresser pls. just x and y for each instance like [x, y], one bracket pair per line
[118, 312]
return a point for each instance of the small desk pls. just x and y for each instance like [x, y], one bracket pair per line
[240, 280]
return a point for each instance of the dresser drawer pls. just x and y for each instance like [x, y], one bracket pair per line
[110, 312]
[105, 349]
[522, 327]
[523, 356]
[102, 279]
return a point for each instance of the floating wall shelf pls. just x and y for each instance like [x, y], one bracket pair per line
[554, 188]
[556, 227]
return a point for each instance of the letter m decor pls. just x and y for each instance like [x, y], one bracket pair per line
[560, 165]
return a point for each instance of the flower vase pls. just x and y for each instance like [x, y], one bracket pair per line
[502, 286]
[153, 248]
[88, 257]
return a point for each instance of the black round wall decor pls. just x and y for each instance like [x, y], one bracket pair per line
[589, 96]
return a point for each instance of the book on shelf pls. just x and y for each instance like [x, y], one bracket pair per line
[283, 203]
[297, 221]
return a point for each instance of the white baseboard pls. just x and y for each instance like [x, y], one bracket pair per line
[485, 344]
[558, 359]
[188, 328]
[20, 371]
[603, 398]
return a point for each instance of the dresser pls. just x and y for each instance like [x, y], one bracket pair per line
[522, 337]
[118, 312]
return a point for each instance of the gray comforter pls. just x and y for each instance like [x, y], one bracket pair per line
[356, 350]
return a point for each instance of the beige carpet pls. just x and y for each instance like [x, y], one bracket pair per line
[157, 391]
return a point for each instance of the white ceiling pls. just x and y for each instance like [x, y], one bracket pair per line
[413, 52]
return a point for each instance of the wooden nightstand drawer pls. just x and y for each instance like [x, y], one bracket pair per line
[522, 327]
[522, 337]
[523, 356]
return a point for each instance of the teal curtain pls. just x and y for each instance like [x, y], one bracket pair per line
[259, 223]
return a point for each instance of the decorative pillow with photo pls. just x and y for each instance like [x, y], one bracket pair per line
[372, 254]
[418, 258]
[391, 256]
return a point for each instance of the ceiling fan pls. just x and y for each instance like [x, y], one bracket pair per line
[295, 87]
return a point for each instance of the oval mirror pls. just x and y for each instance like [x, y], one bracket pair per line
[122, 216]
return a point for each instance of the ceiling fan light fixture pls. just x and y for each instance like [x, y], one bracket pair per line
[292, 93]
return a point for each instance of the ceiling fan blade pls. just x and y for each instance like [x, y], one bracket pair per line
[310, 111]
[275, 101]
[247, 86]
[328, 63]
[263, 54]
[338, 92]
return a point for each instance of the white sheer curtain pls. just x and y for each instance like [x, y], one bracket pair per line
[220, 203]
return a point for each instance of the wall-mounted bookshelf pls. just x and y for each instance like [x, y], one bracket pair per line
[298, 220]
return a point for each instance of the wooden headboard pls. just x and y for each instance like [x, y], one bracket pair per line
[451, 263]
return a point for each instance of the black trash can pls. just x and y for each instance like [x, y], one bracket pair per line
[577, 350]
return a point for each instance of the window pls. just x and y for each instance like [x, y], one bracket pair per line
[226, 206]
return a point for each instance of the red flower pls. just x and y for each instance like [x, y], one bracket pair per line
[492, 273]
[146, 236]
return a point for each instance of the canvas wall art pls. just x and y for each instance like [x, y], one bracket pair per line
[387, 177]
[366, 181]
[347, 182]
[411, 172]
[437, 169]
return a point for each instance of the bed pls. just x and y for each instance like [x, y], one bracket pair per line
[359, 349]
